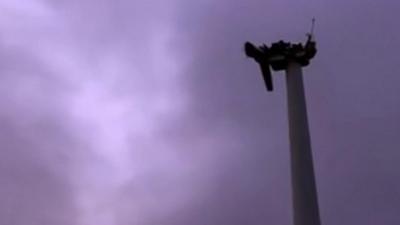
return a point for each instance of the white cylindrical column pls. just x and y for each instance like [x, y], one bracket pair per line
[305, 202]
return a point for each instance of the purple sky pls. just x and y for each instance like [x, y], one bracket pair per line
[118, 112]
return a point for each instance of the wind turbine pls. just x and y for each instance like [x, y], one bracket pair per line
[291, 58]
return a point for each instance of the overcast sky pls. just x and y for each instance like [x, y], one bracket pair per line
[141, 112]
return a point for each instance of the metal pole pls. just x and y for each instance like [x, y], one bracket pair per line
[305, 202]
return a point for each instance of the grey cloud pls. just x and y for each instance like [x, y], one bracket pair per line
[36, 147]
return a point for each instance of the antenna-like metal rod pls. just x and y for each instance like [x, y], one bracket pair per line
[312, 26]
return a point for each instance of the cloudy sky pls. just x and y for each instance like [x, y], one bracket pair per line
[147, 112]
